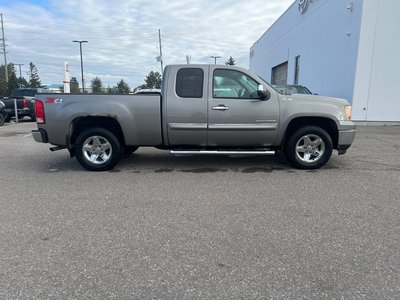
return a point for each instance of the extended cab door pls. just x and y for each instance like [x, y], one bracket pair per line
[185, 105]
[237, 117]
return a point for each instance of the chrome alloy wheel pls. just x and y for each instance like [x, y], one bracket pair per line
[97, 150]
[310, 148]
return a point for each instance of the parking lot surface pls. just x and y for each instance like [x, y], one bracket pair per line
[200, 227]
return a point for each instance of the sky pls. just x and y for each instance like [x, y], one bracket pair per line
[123, 38]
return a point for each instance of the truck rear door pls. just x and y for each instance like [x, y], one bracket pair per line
[237, 117]
[185, 108]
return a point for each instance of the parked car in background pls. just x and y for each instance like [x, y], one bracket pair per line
[25, 103]
[292, 89]
[22, 107]
[3, 113]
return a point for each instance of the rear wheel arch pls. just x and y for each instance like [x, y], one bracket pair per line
[82, 123]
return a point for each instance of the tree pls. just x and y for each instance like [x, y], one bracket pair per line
[34, 80]
[97, 86]
[123, 87]
[22, 82]
[74, 85]
[109, 90]
[3, 85]
[152, 81]
[12, 79]
[230, 61]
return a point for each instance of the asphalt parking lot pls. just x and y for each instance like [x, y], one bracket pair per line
[200, 227]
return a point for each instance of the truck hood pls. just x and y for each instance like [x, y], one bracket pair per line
[314, 98]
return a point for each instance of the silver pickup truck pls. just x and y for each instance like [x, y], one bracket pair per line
[202, 109]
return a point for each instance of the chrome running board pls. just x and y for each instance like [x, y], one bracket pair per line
[221, 152]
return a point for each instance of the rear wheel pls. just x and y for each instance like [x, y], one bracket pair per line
[98, 149]
[309, 147]
[2, 119]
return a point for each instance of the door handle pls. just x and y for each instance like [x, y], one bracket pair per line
[220, 107]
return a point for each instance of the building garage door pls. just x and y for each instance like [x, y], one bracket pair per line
[279, 74]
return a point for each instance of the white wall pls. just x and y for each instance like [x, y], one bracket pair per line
[377, 85]
[326, 38]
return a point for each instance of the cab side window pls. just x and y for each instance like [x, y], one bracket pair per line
[189, 83]
[233, 84]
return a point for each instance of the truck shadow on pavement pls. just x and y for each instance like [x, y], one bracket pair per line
[164, 163]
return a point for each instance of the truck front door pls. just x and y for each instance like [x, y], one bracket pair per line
[237, 117]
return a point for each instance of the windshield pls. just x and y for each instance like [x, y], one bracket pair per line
[302, 90]
[292, 89]
[270, 85]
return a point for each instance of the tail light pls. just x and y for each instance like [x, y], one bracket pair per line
[25, 103]
[40, 118]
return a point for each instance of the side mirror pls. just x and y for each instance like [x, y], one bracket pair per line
[263, 94]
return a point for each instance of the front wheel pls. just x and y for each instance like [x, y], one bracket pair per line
[98, 149]
[309, 147]
[2, 119]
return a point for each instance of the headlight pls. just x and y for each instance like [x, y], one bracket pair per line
[347, 112]
[2, 104]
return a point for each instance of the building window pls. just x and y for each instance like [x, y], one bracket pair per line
[296, 69]
[279, 74]
[189, 83]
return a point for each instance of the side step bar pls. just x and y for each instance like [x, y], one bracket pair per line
[221, 152]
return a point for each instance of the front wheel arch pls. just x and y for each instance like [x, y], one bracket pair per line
[328, 124]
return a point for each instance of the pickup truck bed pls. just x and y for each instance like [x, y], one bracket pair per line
[130, 112]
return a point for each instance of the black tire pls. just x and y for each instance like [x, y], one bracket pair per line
[309, 147]
[128, 150]
[98, 149]
[2, 119]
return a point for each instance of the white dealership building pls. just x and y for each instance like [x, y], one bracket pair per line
[341, 48]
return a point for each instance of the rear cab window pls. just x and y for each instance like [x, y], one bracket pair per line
[189, 83]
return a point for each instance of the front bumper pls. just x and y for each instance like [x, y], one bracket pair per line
[346, 136]
[40, 135]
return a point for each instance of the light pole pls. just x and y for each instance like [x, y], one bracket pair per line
[215, 59]
[4, 48]
[80, 48]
